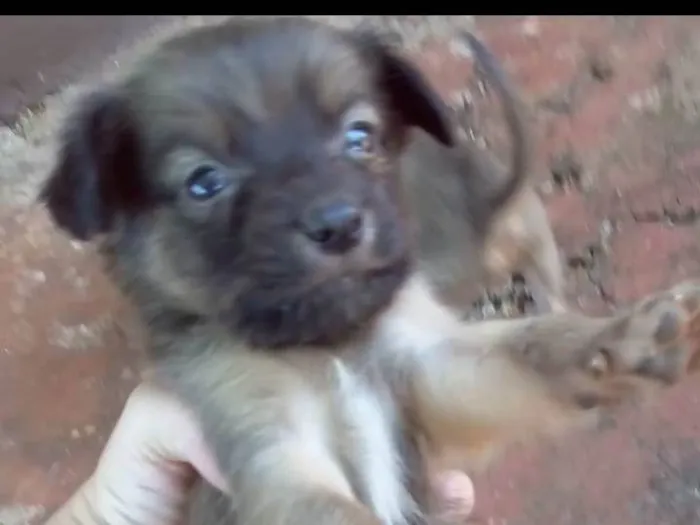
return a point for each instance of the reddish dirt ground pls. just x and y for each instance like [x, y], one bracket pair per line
[39, 53]
[615, 102]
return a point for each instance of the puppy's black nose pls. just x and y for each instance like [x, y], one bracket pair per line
[336, 227]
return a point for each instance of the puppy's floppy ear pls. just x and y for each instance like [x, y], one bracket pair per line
[96, 174]
[409, 92]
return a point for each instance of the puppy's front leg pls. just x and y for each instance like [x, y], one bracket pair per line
[267, 429]
[487, 384]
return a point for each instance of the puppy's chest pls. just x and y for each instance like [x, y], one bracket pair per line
[369, 442]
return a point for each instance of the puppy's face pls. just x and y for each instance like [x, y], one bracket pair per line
[247, 174]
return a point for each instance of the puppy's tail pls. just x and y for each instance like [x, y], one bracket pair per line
[513, 110]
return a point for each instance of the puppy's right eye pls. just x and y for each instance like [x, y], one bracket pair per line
[205, 182]
[360, 140]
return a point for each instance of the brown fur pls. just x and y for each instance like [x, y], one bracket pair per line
[319, 370]
[460, 193]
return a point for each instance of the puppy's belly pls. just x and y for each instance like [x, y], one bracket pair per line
[368, 441]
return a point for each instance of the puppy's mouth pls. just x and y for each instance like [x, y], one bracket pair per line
[322, 293]
[319, 311]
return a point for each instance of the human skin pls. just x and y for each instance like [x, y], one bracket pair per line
[155, 453]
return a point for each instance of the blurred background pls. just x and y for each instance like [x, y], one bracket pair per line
[615, 104]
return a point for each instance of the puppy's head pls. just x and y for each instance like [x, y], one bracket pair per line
[247, 174]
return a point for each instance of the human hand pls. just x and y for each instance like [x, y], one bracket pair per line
[156, 452]
[455, 496]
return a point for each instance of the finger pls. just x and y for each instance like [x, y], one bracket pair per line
[197, 453]
[171, 433]
[455, 495]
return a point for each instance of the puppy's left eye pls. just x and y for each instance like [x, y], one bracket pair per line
[360, 139]
[205, 182]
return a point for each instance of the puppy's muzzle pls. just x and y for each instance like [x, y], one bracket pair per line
[336, 228]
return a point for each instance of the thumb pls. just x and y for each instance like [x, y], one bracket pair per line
[160, 428]
[191, 447]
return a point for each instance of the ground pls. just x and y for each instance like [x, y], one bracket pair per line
[616, 108]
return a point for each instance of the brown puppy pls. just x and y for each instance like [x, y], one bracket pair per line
[474, 227]
[242, 183]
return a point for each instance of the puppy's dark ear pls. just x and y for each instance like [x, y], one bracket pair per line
[96, 175]
[410, 94]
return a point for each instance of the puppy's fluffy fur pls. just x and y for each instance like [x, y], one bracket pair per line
[476, 228]
[243, 185]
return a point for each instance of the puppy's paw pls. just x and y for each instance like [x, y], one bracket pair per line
[671, 319]
[654, 344]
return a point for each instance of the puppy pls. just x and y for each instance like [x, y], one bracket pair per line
[242, 183]
[473, 227]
